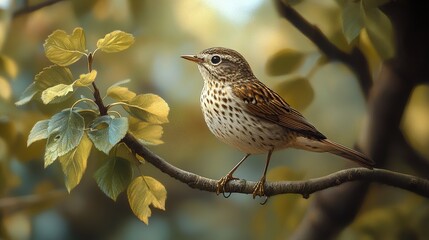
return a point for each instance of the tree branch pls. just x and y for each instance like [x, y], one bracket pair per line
[355, 60]
[28, 9]
[413, 184]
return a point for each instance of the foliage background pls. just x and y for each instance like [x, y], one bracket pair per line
[34, 203]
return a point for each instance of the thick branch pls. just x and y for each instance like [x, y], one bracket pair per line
[413, 184]
[355, 60]
[29, 9]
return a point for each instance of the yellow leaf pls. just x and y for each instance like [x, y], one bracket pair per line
[53, 75]
[63, 49]
[120, 93]
[57, 91]
[86, 79]
[5, 89]
[74, 162]
[123, 151]
[149, 107]
[145, 132]
[143, 192]
[115, 41]
[8, 66]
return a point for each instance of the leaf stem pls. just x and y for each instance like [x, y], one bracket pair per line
[82, 100]
[98, 100]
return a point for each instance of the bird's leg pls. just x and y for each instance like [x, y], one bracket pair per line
[223, 181]
[259, 187]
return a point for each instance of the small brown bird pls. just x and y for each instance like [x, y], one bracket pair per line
[241, 111]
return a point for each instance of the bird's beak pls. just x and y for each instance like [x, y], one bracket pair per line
[192, 58]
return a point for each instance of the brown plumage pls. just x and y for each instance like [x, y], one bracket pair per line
[243, 112]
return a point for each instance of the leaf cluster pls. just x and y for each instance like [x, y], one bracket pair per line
[72, 133]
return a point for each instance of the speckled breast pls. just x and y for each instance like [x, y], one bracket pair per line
[227, 120]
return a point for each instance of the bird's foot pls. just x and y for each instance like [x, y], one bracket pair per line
[259, 190]
[220, 188]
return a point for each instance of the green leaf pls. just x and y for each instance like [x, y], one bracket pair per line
[115, 41]
[284, 62]
[114, 176]
[56, 92]
[38, 132]
[28, 94]
[150, 108]
[298, 92]
[379, 29]
[352, 20]
[74, 162]
[143, 192]
[120, 93]
[106, 131]
[86, 79]
[65, 131]
[63, 49]
[145, 132]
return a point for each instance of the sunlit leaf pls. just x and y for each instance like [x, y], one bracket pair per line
[74, 162]
[298, 92]
[143, 192]
[5, 89]
[284, 62]
[379, 29]
[145, 132]
[28, 94]
[56, 92]
[106, 131]
[86, 79]
[8, 66]
[114, 176]
[54, 77]
[38, 132]
[150, 108]
[65, 130]
[352, 21]
[115, 41]
[120, 93]
[63, 49]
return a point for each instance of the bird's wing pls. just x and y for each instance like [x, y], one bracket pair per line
[257, 99]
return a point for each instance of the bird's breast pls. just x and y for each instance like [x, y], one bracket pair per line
[228, 120]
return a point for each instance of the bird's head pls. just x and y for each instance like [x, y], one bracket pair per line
[221, 64]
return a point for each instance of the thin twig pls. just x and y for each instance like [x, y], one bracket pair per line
[355, 60]
[29, 9]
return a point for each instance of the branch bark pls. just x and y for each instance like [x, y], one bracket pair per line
[305, 188]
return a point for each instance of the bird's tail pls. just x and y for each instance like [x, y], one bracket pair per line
[348, 153]
[325, 145]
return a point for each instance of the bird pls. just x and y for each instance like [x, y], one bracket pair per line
[243, 112]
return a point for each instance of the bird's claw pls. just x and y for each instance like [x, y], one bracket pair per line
[259, 190]
[220, 188]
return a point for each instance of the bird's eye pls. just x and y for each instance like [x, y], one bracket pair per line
[215, 60]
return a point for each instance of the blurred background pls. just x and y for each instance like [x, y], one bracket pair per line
[34, 203]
